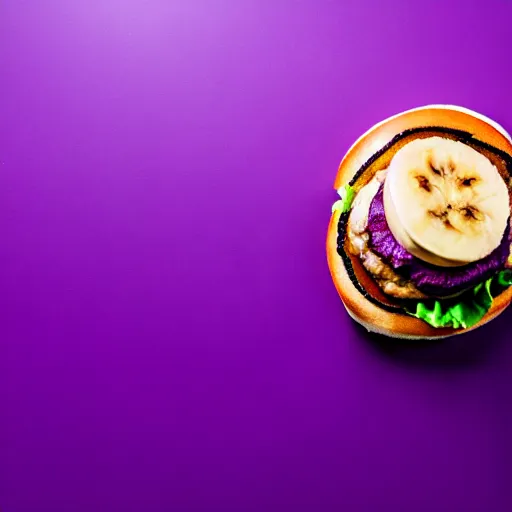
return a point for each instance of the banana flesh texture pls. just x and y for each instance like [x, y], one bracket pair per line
[445, 203]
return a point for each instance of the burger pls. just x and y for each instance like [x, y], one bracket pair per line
[419, 241]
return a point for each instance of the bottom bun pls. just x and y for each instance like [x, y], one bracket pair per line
[375, 329]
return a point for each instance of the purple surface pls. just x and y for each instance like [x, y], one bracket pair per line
[170, 338]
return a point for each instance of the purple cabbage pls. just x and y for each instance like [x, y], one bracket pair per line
[430, 279]
[382, 240]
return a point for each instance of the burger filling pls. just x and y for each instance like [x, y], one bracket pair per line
[433, 230]
[360, 243]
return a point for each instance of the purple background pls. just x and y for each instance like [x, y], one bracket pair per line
[170, 338]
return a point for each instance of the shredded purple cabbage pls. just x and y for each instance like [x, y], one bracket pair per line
[430, 279]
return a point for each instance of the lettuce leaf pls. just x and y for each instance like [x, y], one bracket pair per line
[347, 194]
[467, 309]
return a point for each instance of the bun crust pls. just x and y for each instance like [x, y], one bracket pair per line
[365, 312]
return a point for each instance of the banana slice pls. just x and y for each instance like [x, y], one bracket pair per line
[406, 241]
[445, 202]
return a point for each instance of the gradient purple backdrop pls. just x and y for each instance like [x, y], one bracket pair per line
[170, 338]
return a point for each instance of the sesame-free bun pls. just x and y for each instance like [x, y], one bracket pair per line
[368, 312]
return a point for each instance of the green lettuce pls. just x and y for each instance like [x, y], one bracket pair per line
[467, 309]
[347, 194]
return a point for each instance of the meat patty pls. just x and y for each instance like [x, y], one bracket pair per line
[388, 280]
